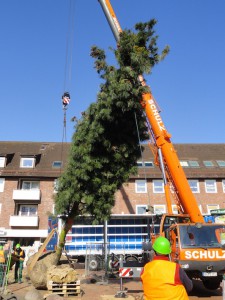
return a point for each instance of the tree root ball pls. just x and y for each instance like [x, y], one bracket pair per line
[38, 274]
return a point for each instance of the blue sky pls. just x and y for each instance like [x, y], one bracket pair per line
[188, 85]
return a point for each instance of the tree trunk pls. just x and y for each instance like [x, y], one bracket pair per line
[38, 274]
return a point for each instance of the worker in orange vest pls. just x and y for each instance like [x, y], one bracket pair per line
[162, 278]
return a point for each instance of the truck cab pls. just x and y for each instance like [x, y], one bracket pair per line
[199, 248]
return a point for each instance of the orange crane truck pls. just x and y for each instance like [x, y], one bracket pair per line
[198, 247]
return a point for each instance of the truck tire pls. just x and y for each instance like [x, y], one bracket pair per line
[212, 284]
[93, 263]
[113, 263]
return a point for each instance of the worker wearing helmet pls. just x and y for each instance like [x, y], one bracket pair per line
[163, 279]
[19, 255]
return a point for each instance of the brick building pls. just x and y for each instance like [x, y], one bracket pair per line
[29, 172]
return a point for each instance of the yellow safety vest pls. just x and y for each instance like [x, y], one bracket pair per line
[159, 281]
[21, 254]
[2, 257]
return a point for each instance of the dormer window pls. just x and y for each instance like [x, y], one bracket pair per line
[57, 164]
[2, 161]
[27, 162]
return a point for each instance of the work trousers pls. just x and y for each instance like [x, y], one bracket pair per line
[18, 271]
[1, 274]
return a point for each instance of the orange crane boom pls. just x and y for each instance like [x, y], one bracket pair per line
[175, 174]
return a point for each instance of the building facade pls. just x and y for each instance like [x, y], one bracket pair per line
[29, 172]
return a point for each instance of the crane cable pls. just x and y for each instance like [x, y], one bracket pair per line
[68, 69]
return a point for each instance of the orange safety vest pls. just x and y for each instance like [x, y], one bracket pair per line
[160, 281]
[2, 257]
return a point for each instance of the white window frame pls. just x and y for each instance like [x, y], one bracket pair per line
[223, 185]
[27, 162]
[140, 186]
[30, 185]
[210, 186]
[29, 212]
[194, 185]
[2, 161]
[158, 189]
[159, 209]
[200, 208]
[144, 209]
[211, 207]
[2, 184]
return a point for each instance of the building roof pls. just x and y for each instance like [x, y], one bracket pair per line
[190, 153]
[45, 153]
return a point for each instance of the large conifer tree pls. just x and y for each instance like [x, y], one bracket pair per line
[106, 142]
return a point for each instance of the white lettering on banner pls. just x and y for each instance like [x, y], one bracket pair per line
[156, 114]
[208, 254]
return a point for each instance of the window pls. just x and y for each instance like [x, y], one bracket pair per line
[193, 164]
[149, 164]
[158, 186]
[184, 163]
[141, 209]
[159, 209]
[208, 163]
[30, 185]
[200, 208]
[211, 207]
[139, 164]
[194, 185]
[189, 163]
[2, 162]
[210, 186]
[2, 184]
[57, 164]
[221, 163]
[28, 210]
[223, 185]
[140, 186]
[27, 162]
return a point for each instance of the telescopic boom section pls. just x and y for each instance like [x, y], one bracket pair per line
[162, 137]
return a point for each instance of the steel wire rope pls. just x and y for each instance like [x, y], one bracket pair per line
[68, 68]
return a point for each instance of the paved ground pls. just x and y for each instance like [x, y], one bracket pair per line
[95, 287]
